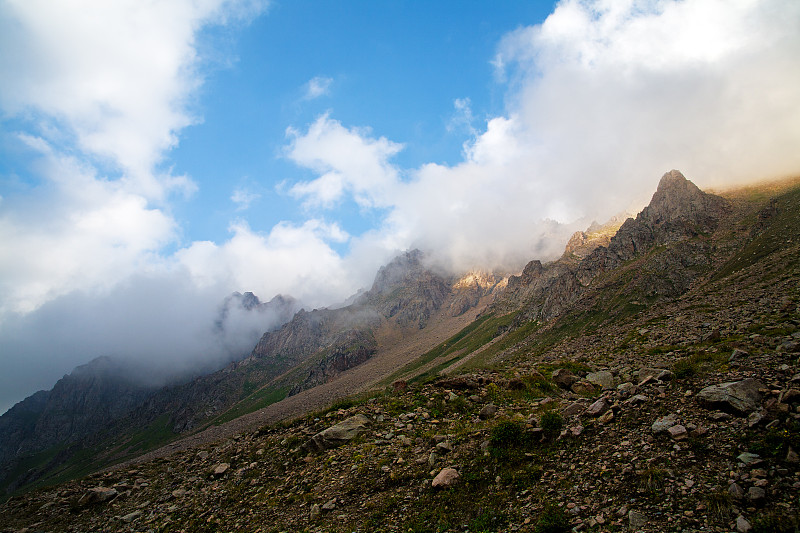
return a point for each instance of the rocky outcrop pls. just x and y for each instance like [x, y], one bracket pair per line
[349, 349]
[407, 290]
[667, 237]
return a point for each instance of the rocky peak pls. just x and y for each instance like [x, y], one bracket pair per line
[398, 272]
[679, 200]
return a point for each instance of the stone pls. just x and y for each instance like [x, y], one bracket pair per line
[584, 387]
[749, 458]
[315, 511]
[130, 517]
[564, 378]
[756, 494]
[220, 469]
[740, 397]
[604, 379]
[742, 525]
[754, 419]
[575, 408]
[597, 408]
[660, 374]
[636, 519]
[678, 432]
[444, 447]
[791, 456]
[178, 493]
[606, 417]
[330, 505]
[663, 424]
[339, 434]
[489, 411]
[738, 354]
[790, 396]
[736, 491]
[447, 477]
[97, 495]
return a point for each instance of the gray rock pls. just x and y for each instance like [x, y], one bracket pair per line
[97, 495]
[791, 456]
[584, 387]
[341, 433]
[564, 378]
[597, 408]
[663, 424]
[742, 525]
[603, 379]
[573, 409]
[330, 505]
[678, 432]
[749, 458]
[736, 491]
[130, 517]
[220, 469]
[488, 411]
[444, 447]
[661, 374]
[636, 519]
[740, 397]
[315, 511]
[446, 478]
[756, 494]
[738, 354]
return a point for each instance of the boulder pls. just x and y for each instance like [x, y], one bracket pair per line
[603, 379]
[660, 374]
[488, 411]
[565, 378]
[97, 495]
[584, 387]
[740, 397]
[663, 424]
[341, 433]
[446, 478]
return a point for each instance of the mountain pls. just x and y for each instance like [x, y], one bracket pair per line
[104, 399]
[647, 379]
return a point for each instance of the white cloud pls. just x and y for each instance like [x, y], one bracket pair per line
[290, 259]
[348, 160]
[318, 86]
[462, 118]
[604, 97]
[243, 197]
[101, 90]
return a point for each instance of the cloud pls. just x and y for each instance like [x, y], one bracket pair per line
[318, 86]
[289, 259]
[349, 161]
[161, 321]
[243, 198]
[462, 119]
[603, 98]
[97, 101]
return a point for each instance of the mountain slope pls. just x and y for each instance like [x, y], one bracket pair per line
[634, 442]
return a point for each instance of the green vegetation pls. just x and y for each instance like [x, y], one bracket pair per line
[552, 519]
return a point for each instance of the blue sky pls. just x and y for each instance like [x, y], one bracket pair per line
[155, 157]
[396, 67]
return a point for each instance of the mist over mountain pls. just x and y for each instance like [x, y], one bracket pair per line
[161, 329]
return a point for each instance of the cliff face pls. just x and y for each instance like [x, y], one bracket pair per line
[679, 215]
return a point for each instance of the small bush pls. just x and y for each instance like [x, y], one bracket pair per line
[552, 519]
[551, 422]
[506, 434]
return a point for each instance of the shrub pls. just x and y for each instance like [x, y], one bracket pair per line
[552, 519]
[551, 422]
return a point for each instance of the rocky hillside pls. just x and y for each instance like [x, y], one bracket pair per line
[651, 384]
